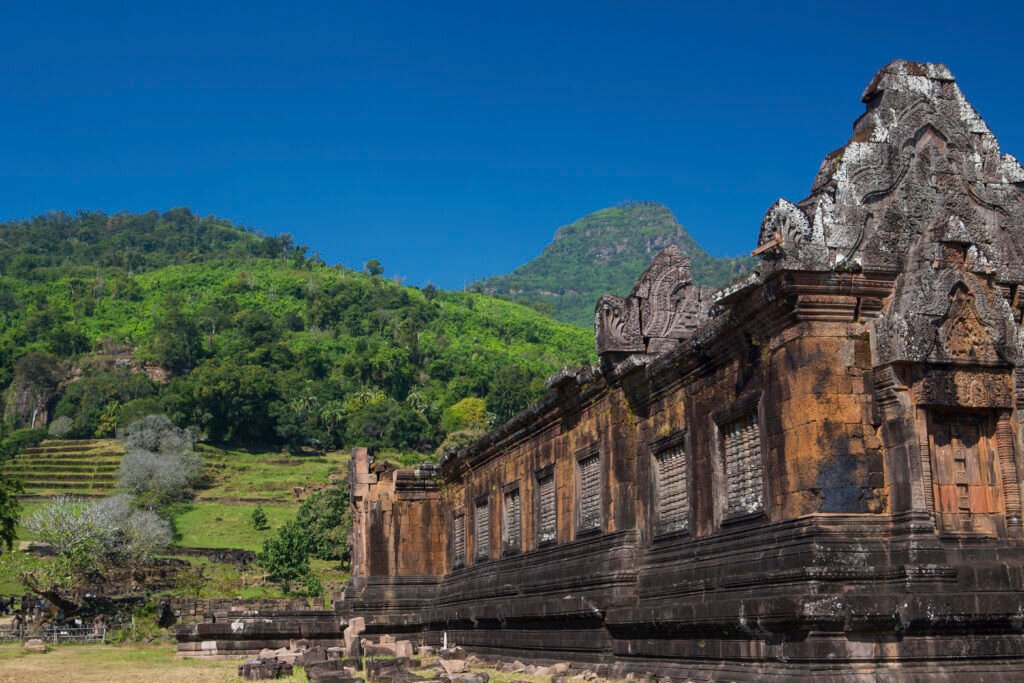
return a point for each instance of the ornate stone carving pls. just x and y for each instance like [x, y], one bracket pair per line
[963, 335]
[964, 388]
[789, 240]
[617, 326]
[664, 308]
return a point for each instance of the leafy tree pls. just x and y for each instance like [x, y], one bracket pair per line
[177, 340]
[107, 425]
[468, 414]
[87, 401]
[159, 464]
[10, 508]
[286, 559]
[61, 427]
[510, 392]
[388, 424]
[91, 538]
[373, 268]
[259, 519]
[229, 402]
[327, 518]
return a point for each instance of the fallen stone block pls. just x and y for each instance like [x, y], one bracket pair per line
[474, 677]
[426, 650]
[452, 653]
[353, 662]
[388, 671]
[264, 670]
[34, 645]
[403, 648]
[561, 667]
[313, 655]
[333, 677]
[330, 671]
[454, 666]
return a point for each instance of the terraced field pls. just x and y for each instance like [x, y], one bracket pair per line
[219, 516]
[83, 467]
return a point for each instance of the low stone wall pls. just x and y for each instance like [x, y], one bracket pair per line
[235, 556]
[193, 610]
[237, 634]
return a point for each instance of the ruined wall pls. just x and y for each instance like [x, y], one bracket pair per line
[397, 526]
[813, 472]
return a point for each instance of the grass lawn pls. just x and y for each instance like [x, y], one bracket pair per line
[220, 525]
[113, 664]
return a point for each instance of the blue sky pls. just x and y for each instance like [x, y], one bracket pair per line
[451, 139]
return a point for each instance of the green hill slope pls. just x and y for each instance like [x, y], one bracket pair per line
[604, 253]
[106, 318]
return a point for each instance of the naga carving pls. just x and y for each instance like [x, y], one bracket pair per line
[664, 308]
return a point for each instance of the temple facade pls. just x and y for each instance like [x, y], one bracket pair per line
[812, 472]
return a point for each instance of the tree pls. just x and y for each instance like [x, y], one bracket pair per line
[229, 402]
[509, 392]
[286, 559]
[466, 415]
[177, 340]
[327, 519]
[373, 268]
[90, 539]
[88, 400]
[108, 420]
[388, 424]
[259, 519]
[159, 462]
[61, 427]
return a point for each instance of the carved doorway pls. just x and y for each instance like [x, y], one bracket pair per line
[967, 489]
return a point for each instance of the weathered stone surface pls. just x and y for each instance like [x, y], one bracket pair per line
[264, 669]
[847, 423]
[388, 671]
[454, 666]
[34, 645]
[664, 308]
[474, 677]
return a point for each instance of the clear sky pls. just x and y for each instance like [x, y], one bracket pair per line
[451, 139]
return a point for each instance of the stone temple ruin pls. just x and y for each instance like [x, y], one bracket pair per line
[813, 472]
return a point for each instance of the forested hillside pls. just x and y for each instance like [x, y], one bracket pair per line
[604, 253]
[250, 340]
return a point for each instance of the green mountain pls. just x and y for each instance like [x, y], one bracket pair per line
[604, 253]
[249, 339]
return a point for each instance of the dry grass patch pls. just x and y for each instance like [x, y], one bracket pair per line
[111, 664]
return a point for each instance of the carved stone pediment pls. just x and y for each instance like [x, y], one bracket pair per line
[943, 313]
[617, 326]
[664, 308]
[789, 240]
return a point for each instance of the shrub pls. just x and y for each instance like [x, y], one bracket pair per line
[19, 440]
[61, 427]
[468, 414]
[159, 462]
[286, 559]
[90, 537]
[259, 519]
